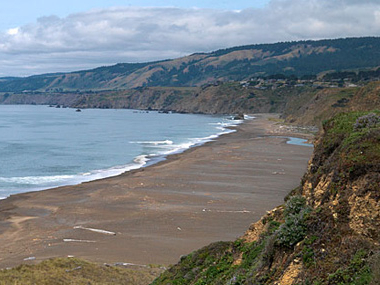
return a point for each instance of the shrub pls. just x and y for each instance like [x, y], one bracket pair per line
[370, 120]
[295, 205]
[294, 228]
[269, 250]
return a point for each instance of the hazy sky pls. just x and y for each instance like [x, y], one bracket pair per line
[49, 36]
[14, 13]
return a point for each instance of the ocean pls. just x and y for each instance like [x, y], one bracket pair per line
[42, 147]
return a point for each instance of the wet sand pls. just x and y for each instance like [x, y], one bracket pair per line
[158, 213]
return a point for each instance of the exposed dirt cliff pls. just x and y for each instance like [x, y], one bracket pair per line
[327, 232]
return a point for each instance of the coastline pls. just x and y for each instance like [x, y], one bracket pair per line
[138, 162]
[159, 212]
[41, 159]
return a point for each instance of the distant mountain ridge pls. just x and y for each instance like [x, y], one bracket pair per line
[238, 63]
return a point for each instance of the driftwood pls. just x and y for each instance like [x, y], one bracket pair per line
[227, 211]
[77, 240]
[96, 230]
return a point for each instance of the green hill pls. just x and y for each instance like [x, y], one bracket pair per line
[239, 63]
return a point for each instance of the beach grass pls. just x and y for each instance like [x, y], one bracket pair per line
[76, 271]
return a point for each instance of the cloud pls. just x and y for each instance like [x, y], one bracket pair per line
[131, 34]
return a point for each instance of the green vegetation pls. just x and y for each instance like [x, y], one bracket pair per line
[215, 264]
[358, 272]
[312, 108]
[353, 76]
[75, 271]
[356, 136]
[294, 228]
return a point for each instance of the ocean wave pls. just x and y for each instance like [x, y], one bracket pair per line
[228, 123]
[160, 149]
[167, 147]
[155, 143]
[35, 180]
[247, 117]
[45, 182]
[142, 159]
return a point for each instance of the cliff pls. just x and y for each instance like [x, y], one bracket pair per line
[300, 105]
[327, 232]
[226, 98]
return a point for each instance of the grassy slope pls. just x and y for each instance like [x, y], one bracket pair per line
[75, 271]
[312, 109]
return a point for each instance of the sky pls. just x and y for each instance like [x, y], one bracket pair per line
[44, 36]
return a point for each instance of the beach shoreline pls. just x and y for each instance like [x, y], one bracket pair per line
[72, 149]
[159, 212]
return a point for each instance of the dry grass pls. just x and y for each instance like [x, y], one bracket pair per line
[76, 271]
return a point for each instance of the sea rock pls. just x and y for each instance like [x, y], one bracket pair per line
[239, 116]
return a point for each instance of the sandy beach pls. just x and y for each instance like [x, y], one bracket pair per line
[156, 214]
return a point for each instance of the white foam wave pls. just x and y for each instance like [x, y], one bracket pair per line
[141, 159]
[247, 117]
[227, 124]
[35, 180]
[178, 148]
[45, 182]
[155, 143]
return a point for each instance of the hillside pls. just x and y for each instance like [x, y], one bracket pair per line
[327, 232]
[313, 108]
[238, 63]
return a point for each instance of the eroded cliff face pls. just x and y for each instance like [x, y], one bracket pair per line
[226, 98]
[342, 187]
[327, 232]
